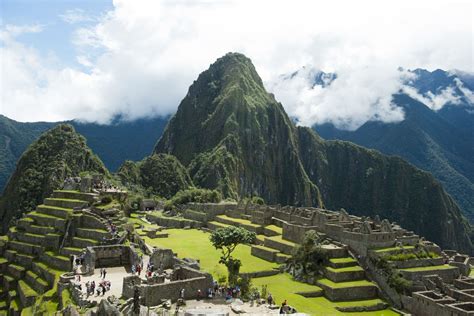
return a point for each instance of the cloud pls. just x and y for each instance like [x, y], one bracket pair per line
[139, 58]
[74, 16]
[435, 101]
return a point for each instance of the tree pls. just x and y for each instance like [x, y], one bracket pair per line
[308, 258]
[227, 239]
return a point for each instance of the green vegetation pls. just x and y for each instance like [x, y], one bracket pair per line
[226, 240]
[309, 256]
[390, 249]
[429, 268]
[57, 154]
[338, 285]
[411, 256]
[342, 260]
[192, 243]
[159, 174]
[193, 195]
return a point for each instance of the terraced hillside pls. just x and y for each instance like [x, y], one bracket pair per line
[39, 248]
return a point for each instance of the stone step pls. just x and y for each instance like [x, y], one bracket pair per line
[12, 295]
[446, 272]
[361, 305]
[342, 262]
[17, 271]
[36, 282]
[264, 253]
[23, 247]
[3, 305]
[258, 229]
[282, 258]
[42, 230]
[272, 230]
[56, 261]
[48, 220]
[26, 293]
[92, 233]
[78, 242]
[10, 255]
[65, 203]
[344, 274]
[24, 260]
[75, 195]
[348, 291]
[44, 271]
[30, 238]
[54, 211]
[3, 265]
[67, 251]
[9, 282]
[24, 223]
[215, 225]
[277, 242]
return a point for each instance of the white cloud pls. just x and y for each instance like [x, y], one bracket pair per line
[74, 16]
[435, 101]
[141, 57]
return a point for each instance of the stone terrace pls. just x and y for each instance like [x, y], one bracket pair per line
[40, 247]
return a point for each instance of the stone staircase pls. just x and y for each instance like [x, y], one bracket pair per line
[344, 278]
[413, 268]
[33, 261]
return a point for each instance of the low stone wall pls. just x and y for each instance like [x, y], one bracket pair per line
[109, 256]
[152, 295]
[173, 222]
[284, 248]
[448, 275]
[162, 258]
[349, 293]
[196, 216]
[413, 263]
[344, 276]
[263, 254]
[212, 209]
[295, 233]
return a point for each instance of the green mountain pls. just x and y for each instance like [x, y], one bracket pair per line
[233, 136]
[160, 174]
[113, 143]
[441, 142]
[57, 154]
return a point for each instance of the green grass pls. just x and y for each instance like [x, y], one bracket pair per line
[26, 289]
[275, 229]
[55, 207]
[238, 220]
[135, 219]
[3, 260]
[429, 268]
[282, 241]
[193, 243]
[283, 287]
[340, 285]
[67, 200]
[347, 269]
[342, 260]
[394, 248]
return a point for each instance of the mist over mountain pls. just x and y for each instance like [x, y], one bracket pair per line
[436, 134]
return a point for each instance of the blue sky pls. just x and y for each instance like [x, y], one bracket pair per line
[93, 60]
[57, 34]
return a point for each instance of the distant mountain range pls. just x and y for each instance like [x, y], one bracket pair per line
[436, 135]
[113, 143]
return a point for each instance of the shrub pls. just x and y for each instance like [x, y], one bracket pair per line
[193, 195]
[106, 199]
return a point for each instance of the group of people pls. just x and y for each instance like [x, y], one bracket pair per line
[150, 269]
[99, 289]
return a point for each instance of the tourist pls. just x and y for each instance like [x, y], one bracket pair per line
[181, 294]
[139, 269]
[199, 294]
[92, 287]
[270, 299]
[104, 273]
[284, 308]
[133, 269]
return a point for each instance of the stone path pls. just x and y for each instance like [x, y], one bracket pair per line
[114, 275]
[221, 305]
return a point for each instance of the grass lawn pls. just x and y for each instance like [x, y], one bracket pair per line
[193, 243]
[382, 250]
[135, 219]
[282, 287]
[332, 284]
[429, 268]
[342, 260]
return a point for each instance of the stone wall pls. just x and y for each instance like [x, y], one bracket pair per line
[152, 294]
[173, 222]
[109, 256]
[162, 258]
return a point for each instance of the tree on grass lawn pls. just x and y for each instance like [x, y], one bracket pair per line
[227, 239]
